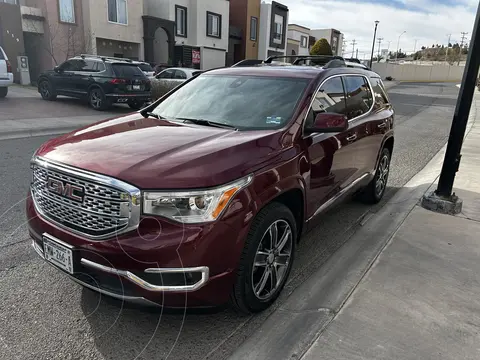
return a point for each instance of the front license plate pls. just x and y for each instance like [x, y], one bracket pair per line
[136, 87]
[58, 254]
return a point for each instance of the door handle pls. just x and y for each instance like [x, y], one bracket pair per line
[382, 125]
[352, 138]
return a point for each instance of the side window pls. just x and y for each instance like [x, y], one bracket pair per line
[359, 96]
[330, 98]
[86, 65]
[69, 65]
[179, 74]
[167, 74]
[379, 93]
[99, 66]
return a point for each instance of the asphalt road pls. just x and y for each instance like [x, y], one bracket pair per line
[43, 315]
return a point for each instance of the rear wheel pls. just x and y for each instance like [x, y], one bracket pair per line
[136, 105]
[266, 259]
[98, 100]
[374, 191]
[46, 90]
[3, 92]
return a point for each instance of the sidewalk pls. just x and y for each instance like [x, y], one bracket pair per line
[410, 292]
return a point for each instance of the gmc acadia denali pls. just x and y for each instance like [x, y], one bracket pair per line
[201, 197]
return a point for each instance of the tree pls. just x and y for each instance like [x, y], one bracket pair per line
[423, 47]
[321, 47]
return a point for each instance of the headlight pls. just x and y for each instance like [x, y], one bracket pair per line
[193, 206]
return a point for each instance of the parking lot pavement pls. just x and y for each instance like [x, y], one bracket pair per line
[25, 113]
[44, 315]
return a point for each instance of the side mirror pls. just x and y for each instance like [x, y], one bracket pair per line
[56, 69]
[328, 123]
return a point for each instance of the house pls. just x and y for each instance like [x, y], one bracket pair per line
[272, 38]
[243, 31]
[297, 40]
[333, 36]
[200, 32]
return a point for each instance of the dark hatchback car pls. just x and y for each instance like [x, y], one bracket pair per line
[202, 197]
[100, 80]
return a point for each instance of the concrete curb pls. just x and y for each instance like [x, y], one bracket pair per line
[20, 134]
[290, 330]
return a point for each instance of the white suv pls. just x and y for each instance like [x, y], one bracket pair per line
[6, 74]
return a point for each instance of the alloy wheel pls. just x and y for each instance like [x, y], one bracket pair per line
[96, 99]
[44, 89]
[272, 259]
[382, 176]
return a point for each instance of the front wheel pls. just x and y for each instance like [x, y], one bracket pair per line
[46, 90]
[374, 191]
[3, 92]
[266, 259]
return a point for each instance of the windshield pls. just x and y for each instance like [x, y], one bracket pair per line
[145, 67]
[245, 102]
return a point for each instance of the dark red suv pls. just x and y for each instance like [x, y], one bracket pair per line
[202, 197]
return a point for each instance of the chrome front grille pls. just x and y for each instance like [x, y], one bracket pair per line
[107, 206]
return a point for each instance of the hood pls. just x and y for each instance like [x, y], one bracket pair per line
[157, 154]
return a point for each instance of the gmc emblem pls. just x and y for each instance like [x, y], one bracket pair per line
[66, 190]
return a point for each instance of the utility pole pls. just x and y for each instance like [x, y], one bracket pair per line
[373, 44]
[415, 46]
[398, 45]
[353, 46]
[448, 46]
[356, 57]
[344, 47]
[379, 44]
[461, 46]
[443, 199]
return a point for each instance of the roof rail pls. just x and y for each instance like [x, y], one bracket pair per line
[355, 60]
[248, 62]
[105, 57]
[299, 58]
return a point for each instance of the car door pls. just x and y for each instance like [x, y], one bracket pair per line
[327, 154]
[63, 79]
[363, 144]
[179, 77]
[83, 76]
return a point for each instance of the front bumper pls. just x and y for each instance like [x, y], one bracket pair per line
[190, 266]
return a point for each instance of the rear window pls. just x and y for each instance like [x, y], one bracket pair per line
[145, 67]
[127, 70]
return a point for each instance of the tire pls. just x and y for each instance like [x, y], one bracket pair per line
[136, 105]
[3, 92]
[98, 100]
[244, 298]
[47, 91]
[373, 194]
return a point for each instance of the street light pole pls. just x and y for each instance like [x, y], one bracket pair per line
[398, 44]
[451, 162]
[373, 44]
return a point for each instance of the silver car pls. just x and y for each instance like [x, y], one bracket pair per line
[170, 78]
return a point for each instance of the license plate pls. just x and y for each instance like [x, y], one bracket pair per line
[136, 87]
[57, 254]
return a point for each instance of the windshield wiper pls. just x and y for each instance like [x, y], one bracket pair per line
[147, 114]
[208, 123]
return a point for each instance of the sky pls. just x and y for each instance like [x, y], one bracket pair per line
[427, 21]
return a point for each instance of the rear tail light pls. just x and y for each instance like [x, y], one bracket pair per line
[9, 67]
[118, 81]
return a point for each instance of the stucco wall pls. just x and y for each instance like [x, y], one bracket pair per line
[11, 35]
[407, 72]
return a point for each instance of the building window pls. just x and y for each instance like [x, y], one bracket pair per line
[181, 20]
[278, 29]
[214, 25]
[303, 41]
[253, 28]
[66, 11]
[13, 2]
[117, 11]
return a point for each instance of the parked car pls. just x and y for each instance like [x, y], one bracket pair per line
[146, 68]
[6, 73]
[100, 80]
[207, 191]
[170, 78]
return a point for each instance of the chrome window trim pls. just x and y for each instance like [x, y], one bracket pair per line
[318, 89]
[134, 193]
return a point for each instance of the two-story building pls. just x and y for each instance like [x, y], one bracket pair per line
[273, 29]
[200, 32]
[297, 40]
[333, 36]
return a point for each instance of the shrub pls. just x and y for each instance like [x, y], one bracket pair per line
[321, 47]
[159, 88]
